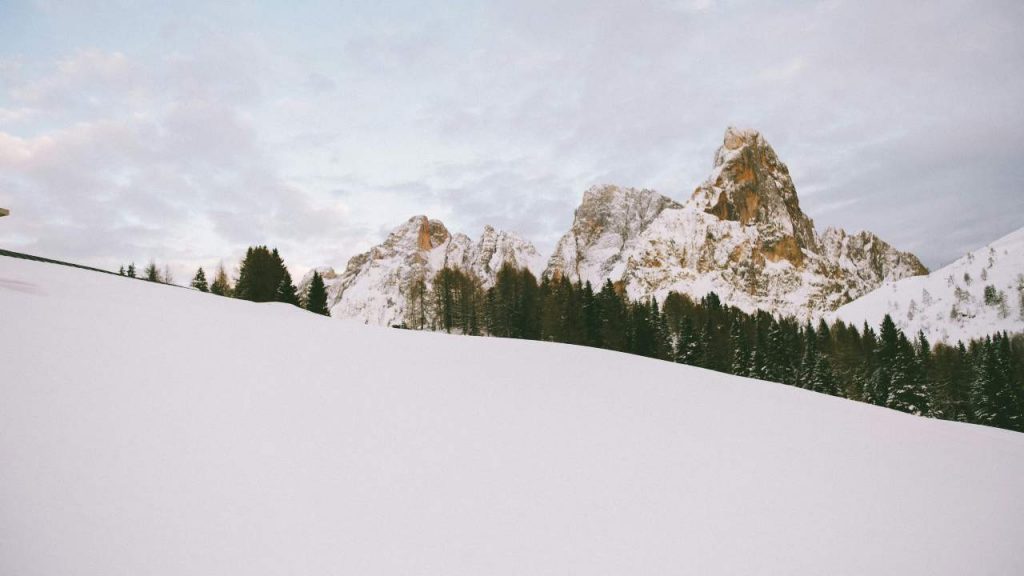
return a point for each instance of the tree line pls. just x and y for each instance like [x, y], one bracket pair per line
[980, 381]
[262, 277]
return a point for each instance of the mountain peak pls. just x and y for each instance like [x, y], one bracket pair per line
[752, 186]
[608, 220]
[427, 234]
[738, 137]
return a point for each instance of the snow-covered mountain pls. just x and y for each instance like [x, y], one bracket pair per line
[376, 285]
[606, 229]
[979, 294]
[187, 434]
[742, 234]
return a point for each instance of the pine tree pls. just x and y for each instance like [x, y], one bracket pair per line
[443, 297]
[776, 367]
[759, 365]
[996, 400]
[130, 272]
[879, 386]
[612, 317]
[823, 379]
[590, 320]
[316, 295]
[740, 349]
[263, 277]
[152, 273]
[907, 391]
[686, 343]
[286, 291]
[199, 281]
[805, 373]
[121, 271]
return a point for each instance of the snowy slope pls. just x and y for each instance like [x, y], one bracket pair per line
[148, 429]
[949, 304]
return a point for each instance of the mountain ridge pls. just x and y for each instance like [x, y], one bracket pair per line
[741, 233]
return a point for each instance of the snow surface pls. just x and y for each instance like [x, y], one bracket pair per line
[148, 429]
[945, 304]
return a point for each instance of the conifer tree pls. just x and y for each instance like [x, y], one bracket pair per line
[907, 391]
[130, 272]
[286, 291]
[880, 383]
[686, 343]
[805, 374]
[417, 305]
[740, 349]
[152, 273]
[589, 316]
[263, 277]
[823, 379]
[443, 297]
[612, 315]
[199, 281]
[221, 286]
[121, 271]
[316, 295]
[776, 359]
[996, 399]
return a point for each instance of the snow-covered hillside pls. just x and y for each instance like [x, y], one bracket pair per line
[950, 304]
[148, 429]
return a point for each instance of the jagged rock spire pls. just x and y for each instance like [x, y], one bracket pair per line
[750, 185]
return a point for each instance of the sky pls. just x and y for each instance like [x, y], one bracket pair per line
[184, 132]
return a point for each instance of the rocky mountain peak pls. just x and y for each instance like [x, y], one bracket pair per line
[736, 138]
[377, 285]
[750, 185]
[607, 221]
[426, 233]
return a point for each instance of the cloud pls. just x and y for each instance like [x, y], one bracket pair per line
[322, 127]
[186, 182]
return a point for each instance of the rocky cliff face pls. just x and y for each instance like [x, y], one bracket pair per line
[605, 231]
[376, 286]
[751, 186]
[742, 234]
[494, 249]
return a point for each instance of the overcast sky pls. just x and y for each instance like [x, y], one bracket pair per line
[185, 132]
